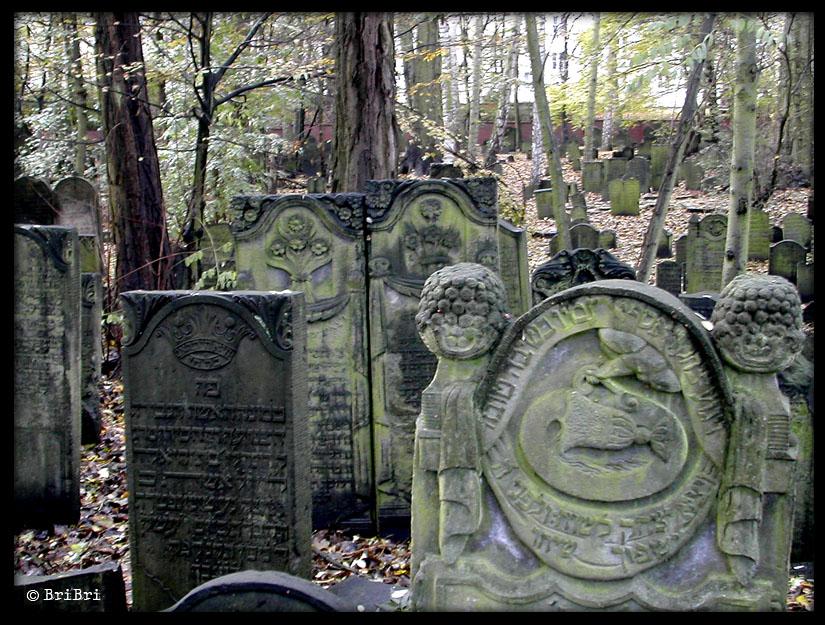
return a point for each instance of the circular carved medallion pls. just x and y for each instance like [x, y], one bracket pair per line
[603, 430]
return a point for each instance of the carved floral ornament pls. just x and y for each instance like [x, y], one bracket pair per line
[602, 434]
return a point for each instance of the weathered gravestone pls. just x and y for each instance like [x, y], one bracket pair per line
[96, 589]
[599, 454]
[592, 178]
[664, 248]
[805, 281]
[693, 174]
[586, 236]
[658, 162]
[639, 168]
[784, 258]
[797, 228]
[578, 210]
[78, 206]
[705, 252]
[624, 196]
[759, 235]
[416, 228]
[91, 355]
[614, 169]
[513, 265]
[607, 239]
[546, 202]
[669, 276]
[47, 376]
[217, 440]
[34, 202]
[445, 170]
[314, 244]
[574, 153]
[571, 268]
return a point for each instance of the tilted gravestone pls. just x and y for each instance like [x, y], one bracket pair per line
[416, 228]
[705, 252]
[624, 196]
[47, 376]
[571, 268]
[784, 258]
[797, 228]
[592, 177]
[599, 454]
[512, 259]
[34, 202]
[759, 234]
[314, 244]
[217, 440]
[669, 277]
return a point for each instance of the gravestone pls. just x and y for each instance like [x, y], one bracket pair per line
[680, 249]
[693, 174]
[578, 211]
[512, 258]
[663, 250]
[797, 228]
[574, 153]
[705, 252]
[317, 184]
[702, 302]
[784, 258]
[669, 277]
[592, 177]
[805, 281]
[545, 203]
[624, 196]
[96, 589]
[759, 235]
[584, 235]
[614, 169]
[91, 356]
[47, 376]
[217, 440]
[416, 228]
[776, 234]
[570, 268]
[658, 162]
[607, 239]
[78, 206]
[445, 170]
[314, 244]
[34, 202]
[586, 456]
[639, 168]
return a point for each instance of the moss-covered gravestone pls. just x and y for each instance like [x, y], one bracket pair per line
[47, 376]
[614, 169]
[624, 196]
[759, 234]
[315, 244]
[592, 177]
[797, 228]
[217, 440]
[705, 253]
[599, 453]
[658, 162]
[639, 168]
[512, 259]
[785, 256]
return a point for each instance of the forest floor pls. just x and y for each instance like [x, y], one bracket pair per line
[101, 535]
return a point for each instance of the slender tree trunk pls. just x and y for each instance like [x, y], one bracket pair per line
[802, 150]
[561, 217]
[677, 150]
[611, 108]
[564, 75]
[537, 142]
[591, 91]
[426, 91]
[510, 75]
[78, 91]
[744, 145]
[449, 92]
[365, 144]
[473, 148]
[135, 194]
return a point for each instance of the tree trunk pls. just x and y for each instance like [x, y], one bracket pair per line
[510, 76]
[548, 137]
[365, 144]
[78, 91]
[473, 148]
[135, 194]
[612, 80]
[677, 149]
[426, 90]
[744, 145]
[564, 74]
[449, 98]
[802, 151]
[591, 92]
[537, 144]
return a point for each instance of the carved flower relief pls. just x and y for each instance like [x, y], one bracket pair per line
[431, 209]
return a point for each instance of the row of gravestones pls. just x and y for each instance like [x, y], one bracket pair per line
[58, 293]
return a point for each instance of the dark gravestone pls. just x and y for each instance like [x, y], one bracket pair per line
[702, 302]
[705, 253]
[592, 176]
[34, 202]
[797, 228]
[445, 170]
[415, 229]
[586, 457]
[317, 184]
[680, 249]
[784, 258]
[663, 250]
[607, 239]
[91, 312]
[513, 266]
[571, 268]
[96, 589]
[574, 153]
[217, 440]
[47, 376]
[805, 281]
[639, 168]
[776, 234]
[759, 235]
[315, 244]
[584, 235]
[669, 276]
[546, 202]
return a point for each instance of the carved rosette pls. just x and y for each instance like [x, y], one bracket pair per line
[757, 323]
[603, 430]
[462, 312]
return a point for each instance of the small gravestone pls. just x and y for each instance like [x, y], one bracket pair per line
[317, 184]
[512, 259]
[702, 302]
[614, 169]
[584, 235]
[705, 252]
[797, 228]
[776, 234]
[599, 454]
[445, 170]
[669, 276]
[639, 168]
[784, 258]
[34, 202]
[680, 249]
[658, 162]
[607, 239]
[47, 376]
[592, 176]
[574, 153]
[578, 211]
[91, 313]
[79, 206]
[805, 281]
[96, 589]
[545, 203]
[624, 197]
[570, 268]
[217, 440]
[693, 174]
[664, 249]
[759, 235]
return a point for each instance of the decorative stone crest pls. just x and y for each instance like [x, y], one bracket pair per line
[570, 268]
